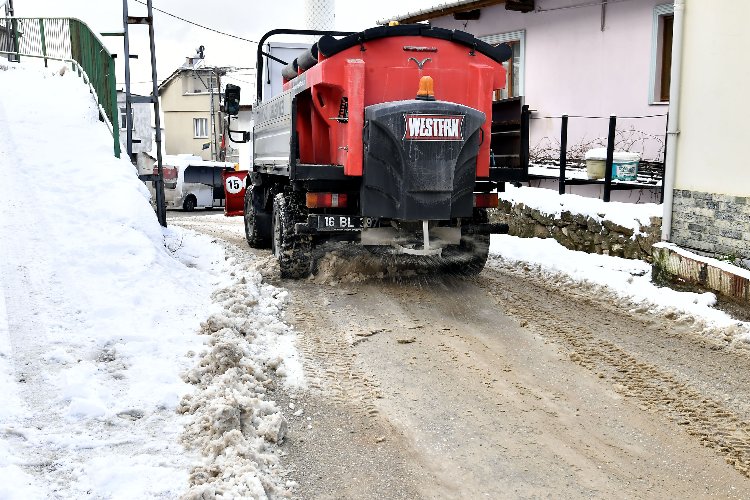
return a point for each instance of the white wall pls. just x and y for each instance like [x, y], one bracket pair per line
[572, 67]
[142, 128]
[244, 151]
[286, 51]
[645, 195]
[712, 148]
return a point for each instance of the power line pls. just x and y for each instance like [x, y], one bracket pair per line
[196, 24]
[140, 83]
[238, 80]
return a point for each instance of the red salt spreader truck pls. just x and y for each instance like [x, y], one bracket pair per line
[389, 137]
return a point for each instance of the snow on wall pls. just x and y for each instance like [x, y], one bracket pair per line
[629, 215]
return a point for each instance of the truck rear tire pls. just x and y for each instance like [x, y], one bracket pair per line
[257, 221]
[293, 251]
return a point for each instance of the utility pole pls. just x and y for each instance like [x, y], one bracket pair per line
[14, 31]
[222, 151]
[158, 179]
[214, 73]
[213, 116]
[128, 103]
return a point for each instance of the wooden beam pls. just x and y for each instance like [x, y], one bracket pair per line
[450, 10]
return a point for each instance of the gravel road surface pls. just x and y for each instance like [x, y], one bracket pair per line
[509, 385]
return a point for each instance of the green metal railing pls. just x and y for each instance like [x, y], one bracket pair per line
[71, 41]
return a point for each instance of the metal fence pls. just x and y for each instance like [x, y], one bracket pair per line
[562, 157]
[68, 40]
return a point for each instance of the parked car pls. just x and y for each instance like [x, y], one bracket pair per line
[191, 182]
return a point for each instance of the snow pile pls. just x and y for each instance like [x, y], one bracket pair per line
[232, 423]
[100, 305]
[626, 281]
[548, 201]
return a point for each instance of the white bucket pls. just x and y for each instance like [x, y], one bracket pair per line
[624, 164]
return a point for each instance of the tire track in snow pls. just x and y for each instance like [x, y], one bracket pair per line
[334, 371]
[710, 420]
[26, 325]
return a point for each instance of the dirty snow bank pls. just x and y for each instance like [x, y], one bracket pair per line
[550, 202]
[624, 280]
[233, 423]
[99, 305]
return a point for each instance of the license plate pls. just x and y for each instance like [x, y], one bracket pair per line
[344, 222]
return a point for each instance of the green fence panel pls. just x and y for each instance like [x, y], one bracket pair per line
[44, 42]
[67, 39]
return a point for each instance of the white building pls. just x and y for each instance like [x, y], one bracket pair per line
[143, 130]
[711, 182]
[142, 125]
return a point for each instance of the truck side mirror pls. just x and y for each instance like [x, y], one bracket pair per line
[232, 99]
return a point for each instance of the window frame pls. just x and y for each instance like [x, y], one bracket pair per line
[196, 128]
[194, 84]
[513, 36]
[123, 116]
[657, 39]
[191, 174]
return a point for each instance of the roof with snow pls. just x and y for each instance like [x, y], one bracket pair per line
[441, 9]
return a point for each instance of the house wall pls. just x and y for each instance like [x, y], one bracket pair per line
[179, 110]
[238, 152]
[711, 209]
[142, 127]
[714, 107]
[645, 195]
[145, 163]
[574, 68]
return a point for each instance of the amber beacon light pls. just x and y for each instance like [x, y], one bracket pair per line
[426, 90]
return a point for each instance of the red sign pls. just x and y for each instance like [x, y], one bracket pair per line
[234, 190]
[433, 127]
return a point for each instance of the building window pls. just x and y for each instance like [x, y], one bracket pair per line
[514, 66]
[200, 127]
[212, 82]
[661, 54]
[123, 119]
[201, 83]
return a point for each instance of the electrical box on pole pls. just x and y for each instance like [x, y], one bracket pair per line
[232, 99]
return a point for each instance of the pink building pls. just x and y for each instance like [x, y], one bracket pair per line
[583, 58]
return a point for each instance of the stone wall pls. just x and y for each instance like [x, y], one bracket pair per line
[714, 223]
[580, 232]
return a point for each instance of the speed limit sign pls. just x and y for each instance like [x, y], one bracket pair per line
[234, 192]
[233, 184]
